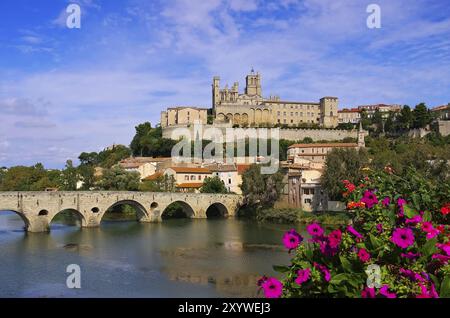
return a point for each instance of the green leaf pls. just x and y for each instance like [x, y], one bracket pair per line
[429, 248]
[339, 278]
[376, 242]
[346, 265]
[409, 212]
[280, 268]
[445, 287]
[426, 216]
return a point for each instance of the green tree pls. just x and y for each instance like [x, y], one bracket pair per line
[343, 164]
[261, 190]
[405, 119]
[422, 116]
[118, 179]
[148, 141]
[164, 183]
[110, 157]
[86, 173]
[377, 120]
[213, 185]
[88, 158]
[70, 177]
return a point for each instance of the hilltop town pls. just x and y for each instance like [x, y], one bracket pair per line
[308, 133]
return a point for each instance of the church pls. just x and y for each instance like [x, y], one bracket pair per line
[251, 109]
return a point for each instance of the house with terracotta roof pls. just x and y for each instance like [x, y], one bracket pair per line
[346, 115]
[145, 166]
[228, 174]
[188, 179]
[442, 112]
[316, 153]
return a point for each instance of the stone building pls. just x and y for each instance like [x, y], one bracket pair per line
[305, 191]
[384, 109]
[316, 153]
[351, 116]
[183, 115]
[252, 109]
[442, 112]
[228, 174]
[145, 166]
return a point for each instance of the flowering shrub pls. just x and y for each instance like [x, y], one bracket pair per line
[397, 245]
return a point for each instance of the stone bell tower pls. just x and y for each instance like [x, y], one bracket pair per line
[361, 136]
[253, 84]
[215, 93]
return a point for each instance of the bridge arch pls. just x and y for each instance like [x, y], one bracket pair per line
[217, 210]
[178, 209]
[141, 211]
[79, 216]
[25, 220]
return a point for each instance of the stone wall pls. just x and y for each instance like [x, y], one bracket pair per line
[287, 134]
[444, 127]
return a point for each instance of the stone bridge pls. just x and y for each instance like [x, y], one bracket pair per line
[37, 209]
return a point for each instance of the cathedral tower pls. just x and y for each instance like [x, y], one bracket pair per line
[215, 93]
[253, 84]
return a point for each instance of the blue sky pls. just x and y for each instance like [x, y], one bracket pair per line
[64, 91]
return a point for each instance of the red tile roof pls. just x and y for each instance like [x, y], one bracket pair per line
[242, 167]
[190, 185]
[153, 176]
[190, 170]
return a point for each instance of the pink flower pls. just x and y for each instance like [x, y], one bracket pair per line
[354, 232]
[414, 220]
[314, 229]
[334, 238]
[441, 258]
[272, 287]
[386, 201]
[403, 237]
[324, 270]
[363, 255]
[326, 249]
[380, 228]
[291, 239]
[432, 293]
[427, 226]
[303, 276]
[410, 255]
[384, 290]
[444, 247]
[430, 230]
[368, 292]
[369, 198]
[412, 275]
[401, 202]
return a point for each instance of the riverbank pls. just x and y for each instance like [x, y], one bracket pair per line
[295, 216]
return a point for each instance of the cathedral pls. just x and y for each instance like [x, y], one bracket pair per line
[252, 109]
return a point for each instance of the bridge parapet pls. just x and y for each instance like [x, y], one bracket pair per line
[38, 209]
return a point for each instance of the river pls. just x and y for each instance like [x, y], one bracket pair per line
[175, 258]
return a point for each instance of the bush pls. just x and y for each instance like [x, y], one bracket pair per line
[278, 215]
[397, 246]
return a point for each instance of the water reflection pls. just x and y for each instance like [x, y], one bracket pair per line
[176, 258]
